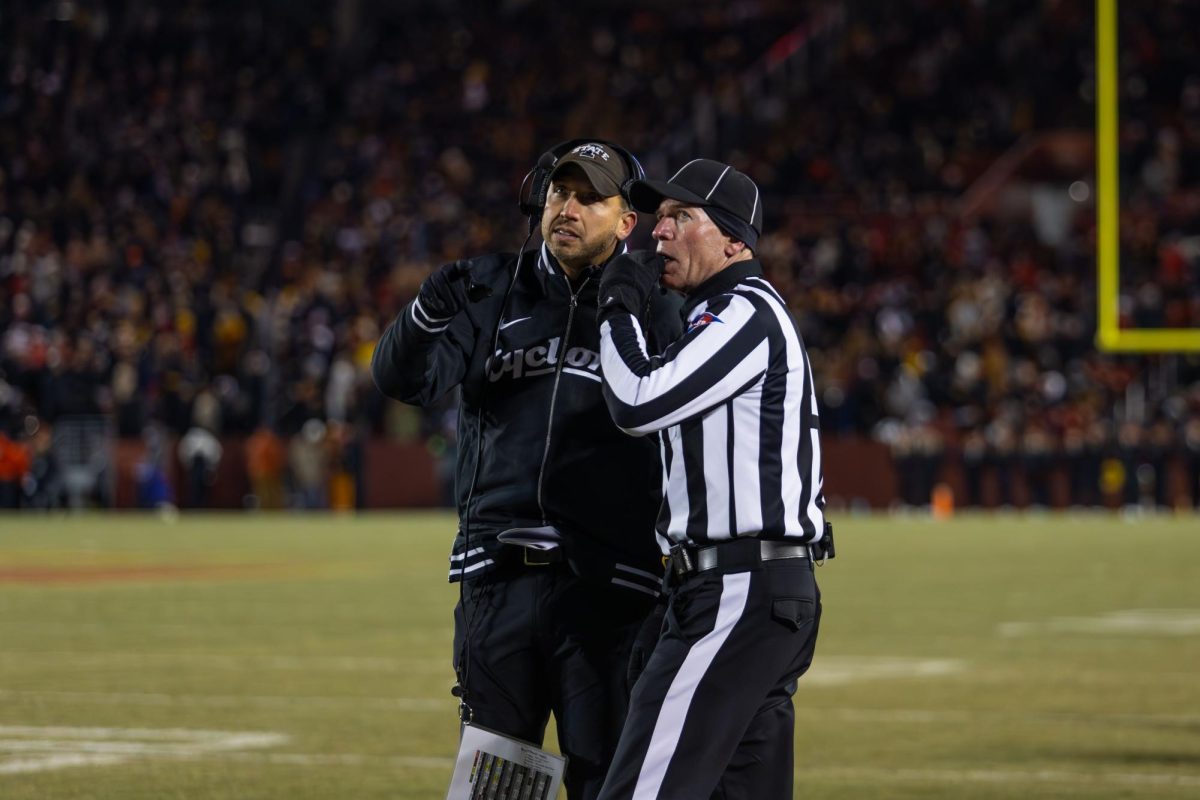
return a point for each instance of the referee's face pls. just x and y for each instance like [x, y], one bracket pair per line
[581, 226]
[692, 246]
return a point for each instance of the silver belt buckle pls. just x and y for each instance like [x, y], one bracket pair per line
[771, 550]
[540, 561]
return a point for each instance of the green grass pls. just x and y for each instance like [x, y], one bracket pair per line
[984, 657]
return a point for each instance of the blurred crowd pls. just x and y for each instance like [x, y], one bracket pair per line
[208, 214]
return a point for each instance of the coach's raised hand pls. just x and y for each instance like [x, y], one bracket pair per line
[442, 295]
[628, 280]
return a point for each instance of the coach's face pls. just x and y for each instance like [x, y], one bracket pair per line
[692, 246]
[581, 226]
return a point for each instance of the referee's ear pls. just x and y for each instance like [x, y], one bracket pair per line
[734, 247]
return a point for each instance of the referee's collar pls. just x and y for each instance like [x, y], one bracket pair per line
[721, 283]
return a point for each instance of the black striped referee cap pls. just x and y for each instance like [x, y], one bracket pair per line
[730, 197]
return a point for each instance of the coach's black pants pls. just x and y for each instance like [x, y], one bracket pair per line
[712, 716]
[543, 640]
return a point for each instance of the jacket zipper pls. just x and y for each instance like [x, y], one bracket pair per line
[562, 359]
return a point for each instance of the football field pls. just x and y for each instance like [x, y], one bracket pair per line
[307, 657]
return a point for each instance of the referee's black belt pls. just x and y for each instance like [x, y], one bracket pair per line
[732, 556]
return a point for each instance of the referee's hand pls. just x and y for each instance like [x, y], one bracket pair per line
[628, 280]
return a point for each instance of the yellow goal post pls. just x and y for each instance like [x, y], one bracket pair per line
[1109, 335]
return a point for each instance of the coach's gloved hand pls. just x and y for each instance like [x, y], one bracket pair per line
[444, 293]
[628, 280]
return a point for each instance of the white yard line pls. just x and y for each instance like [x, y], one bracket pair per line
[1002, 776]
[913, 716]
[237, 701]
[130, 734]
[1141, 622]
[44, 763]
[838, 670]
[343, 760]
[920, 716]
[37, 749]
[66, 659]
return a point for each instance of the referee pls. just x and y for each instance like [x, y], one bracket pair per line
[742, 517]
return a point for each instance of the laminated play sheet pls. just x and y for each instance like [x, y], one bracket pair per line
[491, 766]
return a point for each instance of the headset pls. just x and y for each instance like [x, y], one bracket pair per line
[535, 186]
[531, 199]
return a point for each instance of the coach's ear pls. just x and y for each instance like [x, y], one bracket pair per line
[628, 221]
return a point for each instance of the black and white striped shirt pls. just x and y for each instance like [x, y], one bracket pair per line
[741, 452]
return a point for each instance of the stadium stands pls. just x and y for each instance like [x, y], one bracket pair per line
[206, 216]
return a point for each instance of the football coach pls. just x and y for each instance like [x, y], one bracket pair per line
[556, 577]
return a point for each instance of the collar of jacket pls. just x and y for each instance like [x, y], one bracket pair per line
[547, 268]
[721, 283]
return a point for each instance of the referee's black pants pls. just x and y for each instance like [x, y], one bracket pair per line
[542, 641]
[711, 716]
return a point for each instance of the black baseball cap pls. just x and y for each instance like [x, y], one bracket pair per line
[730, 197]
[605, 169]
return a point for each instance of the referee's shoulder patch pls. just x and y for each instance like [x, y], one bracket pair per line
[702, 319]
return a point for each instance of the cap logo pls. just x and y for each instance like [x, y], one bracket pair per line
[592, 151]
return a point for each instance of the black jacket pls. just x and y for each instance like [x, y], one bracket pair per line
[550, 454]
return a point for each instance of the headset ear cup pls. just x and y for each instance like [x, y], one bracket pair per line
[542, 189]
[537, 180]
[531, 204]
[525, 194]
[636, 173]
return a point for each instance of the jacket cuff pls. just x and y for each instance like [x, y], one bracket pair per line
[427, 322]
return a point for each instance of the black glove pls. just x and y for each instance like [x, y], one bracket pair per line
[628, 280]
[444, 293]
